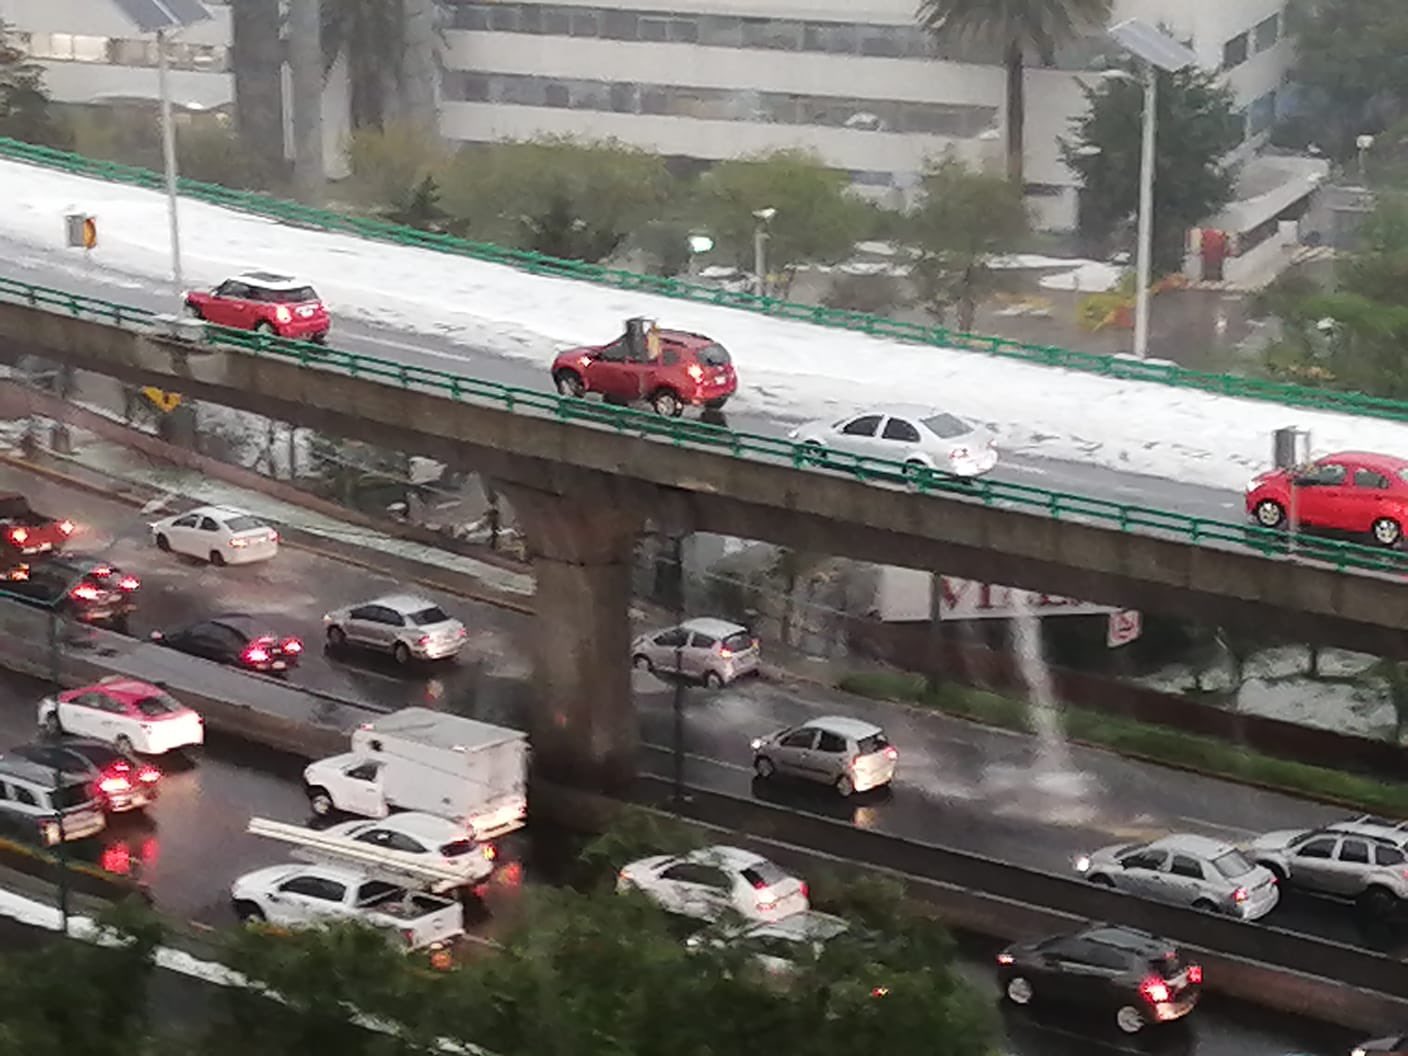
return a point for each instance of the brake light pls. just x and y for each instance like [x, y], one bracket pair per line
[490, 851]
[879, 991]
[892, 752]
[66, 527]
[256, 654]
[424, 639]
[273, 537]
[725, 653]
[696, 372]
[1195, 973]
[114, 784]
[85, 592]
[1239, 895]
[1006, 958]
[19, 535]
[148, 775]
[1155, 990]
[293, 645]
[129, 583]
[805, 891]
[102, 570]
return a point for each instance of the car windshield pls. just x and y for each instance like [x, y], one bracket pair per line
[457, 848]
[738, 641]
[763, 874]
[713, 356]
[70, 796]
[947, 426]
[876, 742]
[425, 617]
[242, 524]
[294, 296]
[1296, 841]
[157, 706]
[1232, 865]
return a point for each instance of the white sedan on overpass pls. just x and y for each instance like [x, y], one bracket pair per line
[217, 534]
[916, 436]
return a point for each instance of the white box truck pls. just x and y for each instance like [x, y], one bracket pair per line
[416, 759]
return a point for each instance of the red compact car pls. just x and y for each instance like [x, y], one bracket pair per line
[1347, 492]
[261, 300]
[665, 368]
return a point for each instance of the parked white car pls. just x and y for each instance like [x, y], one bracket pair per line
[715, 652]
[407, 626]
[414, 832]
[217, 534]
[917, 436]
[710, 882]
[777, 945]
[1186, 870]
[130, 715]
[298, 896]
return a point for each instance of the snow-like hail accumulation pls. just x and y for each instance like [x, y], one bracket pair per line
[788, 370]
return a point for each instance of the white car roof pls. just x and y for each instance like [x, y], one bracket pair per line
[277, 874]
[402, 603]
[220, 513]
[714, 627]
[1188, 843]
[428, 827]
[735, 858]
[269, 280]
[846, 727]
[806, 926]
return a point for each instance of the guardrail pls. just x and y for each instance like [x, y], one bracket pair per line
[1343, 556]
[1111, 366]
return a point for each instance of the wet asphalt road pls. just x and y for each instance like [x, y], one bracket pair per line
[987, 791]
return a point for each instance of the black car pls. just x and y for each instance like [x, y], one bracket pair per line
[120, 782]
[238, 639]
[77, 588]
[1137, 977]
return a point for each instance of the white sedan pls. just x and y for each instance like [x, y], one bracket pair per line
[710, 882]
[413, 832]
[217, 534]
[130, 715]
[922, 437]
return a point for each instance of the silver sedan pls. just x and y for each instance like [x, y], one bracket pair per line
[917, 436]
[1187, 870]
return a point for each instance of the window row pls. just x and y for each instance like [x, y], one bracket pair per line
[721, 104]
[1251, 42]
[111, 51]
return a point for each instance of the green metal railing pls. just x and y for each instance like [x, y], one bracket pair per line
[680, 432]
[1119, 367]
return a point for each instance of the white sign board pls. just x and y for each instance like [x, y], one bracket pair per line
[904, 595]
[1125, 626]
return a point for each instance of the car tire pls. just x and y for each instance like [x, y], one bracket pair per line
[320, 339]
[123, 744]
[666, 403]
[1205, 905]
[163, 544]
[337, 637]
[813, 453]
[1101, 880]
[641, 662]
[217, 559]
[569, 383]
[1269, 514]
[762, 766]
[845, 787]
[713, 680]
[265, 327]
[52, 726]
[401, 654]
[1274, 869]
[249, 913]
[1019, 991]
[1387, 532]
[320, 802]
[914, 470]
[1129, 1019]
[1378, 902]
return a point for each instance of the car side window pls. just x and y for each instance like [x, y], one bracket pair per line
[799, 739]
[394, 841]
[899, 429]
[207, 524]
[864, 426]
[831, 742]
[684, 872]
[364, 771]
[1324, 847]
[1356, 851]
[670, 357]
[390, 617]
[1324, 474]
[1388, 856]
[1105, 957]
[1144, 860]
[710, 876]
[20, 794]
[362, 612]
[184, 522]
[614, 352]
[701, 641]
[314, 887]
[103, 702]
[1367, 478]
[672, 638]
[229, 289]
[1185, 866]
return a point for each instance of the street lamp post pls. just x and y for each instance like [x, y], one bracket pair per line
[168, 153]
[1157, 51]
[760, 238]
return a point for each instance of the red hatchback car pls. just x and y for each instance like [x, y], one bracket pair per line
[261, 300]
[1351, 491]
[665, 368]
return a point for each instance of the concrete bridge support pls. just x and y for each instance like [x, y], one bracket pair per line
[585, 728]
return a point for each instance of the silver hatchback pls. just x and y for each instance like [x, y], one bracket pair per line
[1187, 870]
[852, 755]
[405, 625]
[715, 652]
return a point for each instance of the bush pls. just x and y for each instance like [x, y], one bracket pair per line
[874, 294]
[636, 833]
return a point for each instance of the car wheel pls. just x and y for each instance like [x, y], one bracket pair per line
[163, 544]
[123, 744]
[320, 802]
[320, 339]
[52, 726]
[1378, 902]
[401, 654]
[265, 327]
[641, 662]
[1270, 514]
[248, 913]
[217, 559]
[667, 404]
[569, 383]
[1206, 905]
[845, 786]
[1129, 1019]
[1275, 870]
[914, 471]
[812, 453]
[714, 680]
[1101, 880]
[762, 766]
[337, 637]
[1019, 991]
[1387, 532]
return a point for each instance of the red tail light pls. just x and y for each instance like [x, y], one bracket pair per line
[892, 752]
[148, 775]
[256, 654]
[424, 639]
[19, 535]
[101, 570]
[806, 891]
[1155, 990]
[66, 527]
[1239, 895]
[879, 991]
[273, 537]
[85, 592]
[1195, 973]
[114, 784]
[725, 653]
[293, 645]
[1005, 958]
[129, 583]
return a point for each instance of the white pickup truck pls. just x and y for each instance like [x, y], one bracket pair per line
[302, 895]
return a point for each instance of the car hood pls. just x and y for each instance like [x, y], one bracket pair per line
[262, 878]
[1275, 841]
[812, 428]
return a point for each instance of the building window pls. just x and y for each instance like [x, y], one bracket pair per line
[66, 47]
[1234, 52]
[1266, 33]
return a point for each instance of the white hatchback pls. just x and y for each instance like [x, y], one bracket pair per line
[131, 715]
[217, 534]
[710, 882]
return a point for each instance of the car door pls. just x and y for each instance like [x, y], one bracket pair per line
[233, 305]
[356, 626]
[698, 655]
[664, 646]
[673, 887]
[1312, 864]
[179, 533]
[1048, 970]
[898, 438]
[206, 538]
[1186, 880]
[1141, 873]
[361, 790]
[306, 899]
[383, 627]
[829, 757]
[1367, 499]
[857, 436]
[82, 715]
[1347, 870]
[121, 719]
[606, 371]
[196, 640]
[1319, 494]
[709, 891]
[794, 751]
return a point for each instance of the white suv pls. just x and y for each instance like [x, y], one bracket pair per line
[1362, 860]
[33, 797]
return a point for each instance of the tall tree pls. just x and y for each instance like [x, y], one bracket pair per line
[257, 51]
[306, 77]
[24, 102]
[1198, 127]
[371, 36]
[965, 219]
[1019, 28]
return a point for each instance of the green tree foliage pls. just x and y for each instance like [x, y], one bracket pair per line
[1197, 127]
[1393, 674]
[389, 165]
[25, 111]
[371, 34]
[1017, 29]
[1352, 65]
[257, 54]
[817, 220]
[964, 220]
[559, 196]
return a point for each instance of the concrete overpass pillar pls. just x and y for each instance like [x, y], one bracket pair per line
[585, 728]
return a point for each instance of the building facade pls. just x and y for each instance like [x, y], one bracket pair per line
[703, 80]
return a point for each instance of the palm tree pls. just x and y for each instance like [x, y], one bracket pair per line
[372, 35]
[257, 49]
[1017, 27]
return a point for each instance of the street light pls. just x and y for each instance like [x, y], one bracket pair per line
[760, 237]
[1157, 51]
[1363, 144]
[698, 244]
[164, 17]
